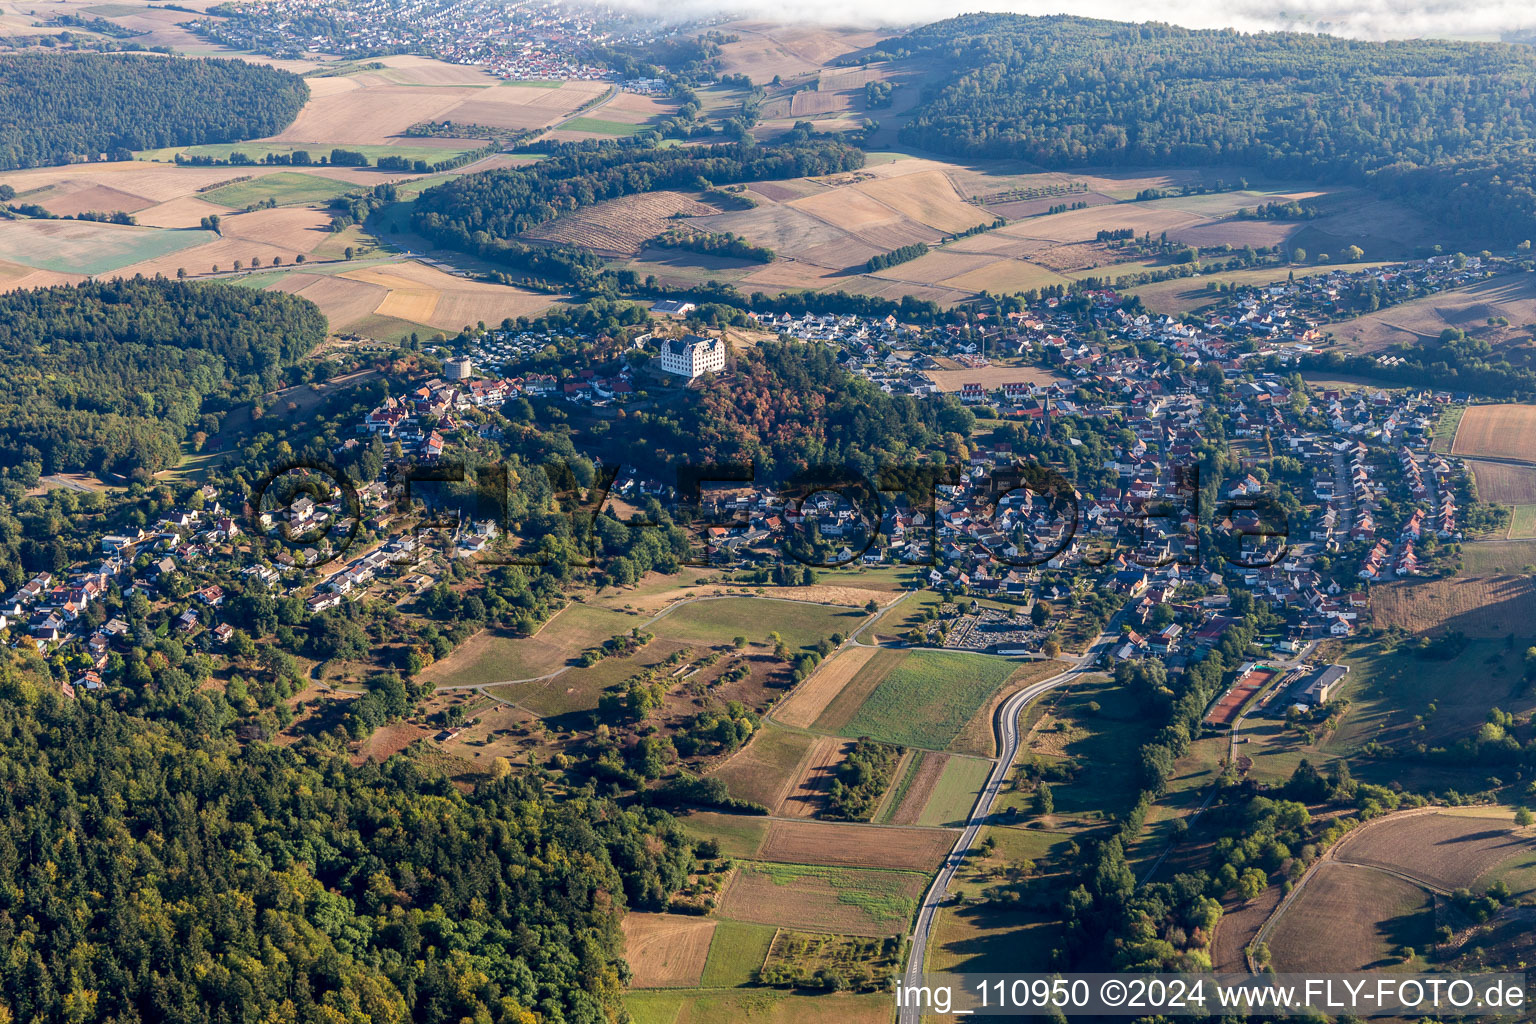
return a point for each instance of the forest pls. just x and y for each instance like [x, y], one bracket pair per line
[113, 377]
[481, 213]
[1445, 125]
[61, 108]
[154, 869]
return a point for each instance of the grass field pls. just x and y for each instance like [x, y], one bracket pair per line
[491, 657]
[285, 187]
[1483, 606]
[764, 770]
[1522, 522]
[954, 795]
[1445, 428]
[719, 620]
[1500, 431]
[87, 247]
[849, 901]
[1351, 919]
[739, 835]
[599, 126]
[759, 1006]
[1490, 558]
[928, 698]
[735, 954]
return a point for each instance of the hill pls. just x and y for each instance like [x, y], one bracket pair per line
[58, 108]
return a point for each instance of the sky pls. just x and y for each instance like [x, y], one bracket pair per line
[1359, 19]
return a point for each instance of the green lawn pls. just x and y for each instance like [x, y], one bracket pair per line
[927, 699]
[719, 620]
[739, 835]
[287, 188]
[955, 795]
[1446, 426]
[736, 951]
[1522, 521]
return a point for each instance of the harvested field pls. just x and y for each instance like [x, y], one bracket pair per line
[426, 295]
[764, 770]
[1479, 606]
[666, 950]
[1504, 483]
[990, 377]
[811, 697]
[411, 69]
[809, 790]
[883, 289]
[1495, 557]
[1445, 850]
[180, 213]
[1077, 225]
[1236, 930]
[72, 197]
[928, 197]
[853, 845]
[621, 227]
[293, 229]
[784, 229]
[787, 274]
[936, 266]
[848, 901]
[1498, 431]
[343, 302]
[765, 50]
[848, 209]
[1351, 919]
[810, 102]
[1005, 276]
[1421, 321]
[925, 778]
[371, 115]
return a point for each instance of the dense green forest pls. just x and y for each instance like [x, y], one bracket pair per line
[112, 377]
[152, 869]
[59, 108]
[1447, 125]
[481, 213]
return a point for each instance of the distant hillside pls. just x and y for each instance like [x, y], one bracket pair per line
[1447, 125]
[58, 108]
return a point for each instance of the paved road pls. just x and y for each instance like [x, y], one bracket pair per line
[1007, 726]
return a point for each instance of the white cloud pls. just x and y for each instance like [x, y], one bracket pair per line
[1360, 19]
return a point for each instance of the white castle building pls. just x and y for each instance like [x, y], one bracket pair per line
[692, 356]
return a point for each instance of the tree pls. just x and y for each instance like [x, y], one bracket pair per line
[1051, 648]
[1251, 883]
[500, 768]
[1298, 255]
[349, 252]
[1044, 802]
[1353, 253]
[1523, 817]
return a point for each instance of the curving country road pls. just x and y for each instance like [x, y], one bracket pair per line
[1007, 726]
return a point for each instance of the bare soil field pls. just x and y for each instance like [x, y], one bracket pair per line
[1351, 919]
[621, 227]
[854, 845]
[809, 790]
[1236, 930]
[810, 102]
[1449, 851]
[1499, 431]
[864, 284]
[847, 901]
[1504, 483]
[1076, 225]
[666, 950]
[847, 209]
[1479, 606]
[71, 197]
[782, 228]
[1468, 309]
[792, 274]
[811, 697]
